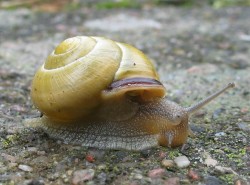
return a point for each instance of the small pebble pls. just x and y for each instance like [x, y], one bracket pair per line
[102, 177]
[210, 162]
[182, 161]
[167, 163]
[193, 175]
[244, 37]
[12, 165]
[156, 173]
[145, 153]
[162, 154]
[172, 181]
[90, 158]
[53, 176]
[25, 168]
[40, 160]
[11, 131]
[69, 172]
[240, 182]
[211, 180]
[65, 178]
[244, 110]
[97, 154]
[32, 149]
[225, 170]
[218, 112]
[76, 160]
[9, 157]
[219, 134]
[101, 167]
[202, 69]
[137, 176]
[80, 176]
[243, 126]
[34, 182]
[41, 153]
[238, 61]
[18, 108]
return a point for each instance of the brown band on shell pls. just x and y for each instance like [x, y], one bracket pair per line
[133, 81]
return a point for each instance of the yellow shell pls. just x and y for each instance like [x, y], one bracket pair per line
[78, 75]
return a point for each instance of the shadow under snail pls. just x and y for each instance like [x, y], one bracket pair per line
[100, 93]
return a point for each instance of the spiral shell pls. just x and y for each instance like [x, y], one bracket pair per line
[83, 72]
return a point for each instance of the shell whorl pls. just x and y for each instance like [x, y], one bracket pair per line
[72, 81]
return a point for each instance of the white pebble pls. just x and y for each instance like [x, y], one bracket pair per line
[210, 162]
[25, 168]
[224, 170]
[80, 176]
[219, 134]
[32, 149]
[182, 161]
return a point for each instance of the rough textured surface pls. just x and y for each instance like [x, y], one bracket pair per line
[196, 51]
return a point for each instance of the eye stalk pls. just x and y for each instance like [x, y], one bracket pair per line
[190, 110]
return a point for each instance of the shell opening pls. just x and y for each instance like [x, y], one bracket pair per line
[145, 89]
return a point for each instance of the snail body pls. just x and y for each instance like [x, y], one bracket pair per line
[100, 93]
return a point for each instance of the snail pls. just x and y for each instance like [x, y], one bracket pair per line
[100, 93]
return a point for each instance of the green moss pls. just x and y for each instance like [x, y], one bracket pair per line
[223, 3]
[243, 151]
[173, 154]
[116, 169]
[228, 178]
[5, 143]
[237, 156]
[109, 4]
[9, 140]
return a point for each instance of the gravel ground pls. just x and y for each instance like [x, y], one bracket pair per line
[196, 51]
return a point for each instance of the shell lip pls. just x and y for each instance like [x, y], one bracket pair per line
[143, 89]
[138, 81]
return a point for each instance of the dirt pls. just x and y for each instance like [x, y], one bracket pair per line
[196, 51]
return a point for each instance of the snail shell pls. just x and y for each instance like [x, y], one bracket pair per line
[82, 72]
[100, 93]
